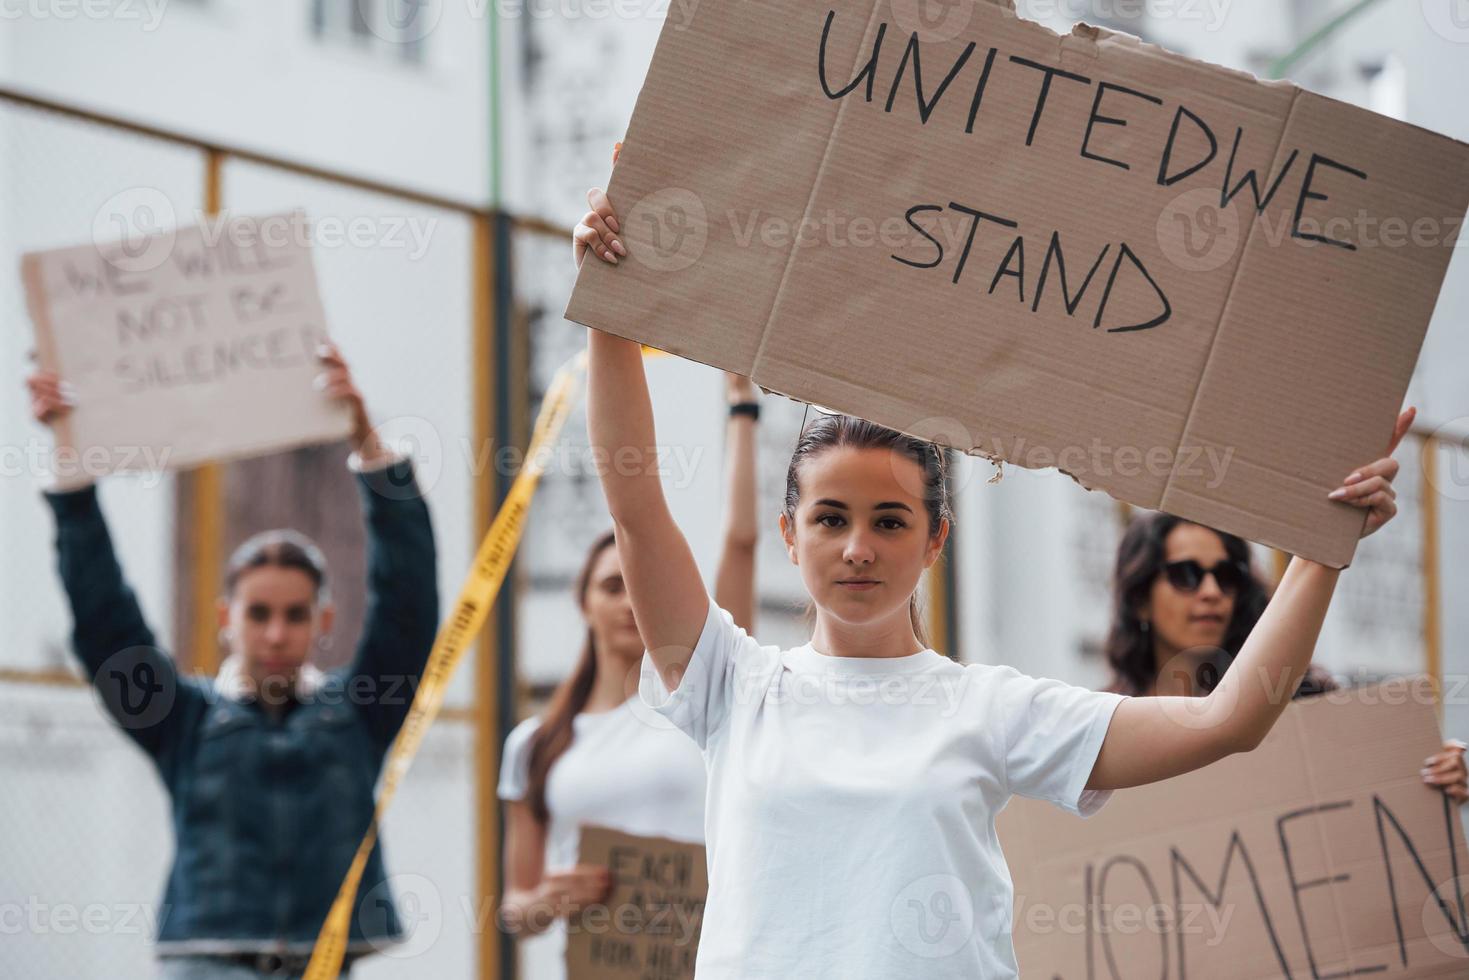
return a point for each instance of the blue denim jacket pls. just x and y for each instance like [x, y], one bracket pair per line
[267, 813]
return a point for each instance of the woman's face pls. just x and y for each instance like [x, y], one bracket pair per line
[860, 535]
[608, 610]
[1182, 620]
[272, 622]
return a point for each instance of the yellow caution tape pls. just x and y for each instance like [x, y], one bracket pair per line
[476, 598]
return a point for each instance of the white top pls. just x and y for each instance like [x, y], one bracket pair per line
[628, 769]
[852, 803]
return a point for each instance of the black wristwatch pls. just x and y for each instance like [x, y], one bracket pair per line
[751, 409]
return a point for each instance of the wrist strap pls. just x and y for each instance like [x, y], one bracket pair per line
[751, 409]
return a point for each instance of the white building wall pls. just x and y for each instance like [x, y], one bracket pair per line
[91, 827]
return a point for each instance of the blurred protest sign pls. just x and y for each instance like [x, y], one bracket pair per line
[1319, 854]
[648, 928]
[1197, 291]
[194, 345]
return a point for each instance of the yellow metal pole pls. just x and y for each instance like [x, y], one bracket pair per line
[938, 605]
[486, 672]
[203, 490]
[1432, 638]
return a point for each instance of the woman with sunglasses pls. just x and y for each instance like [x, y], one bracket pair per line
[1185, 599]
[854, 781]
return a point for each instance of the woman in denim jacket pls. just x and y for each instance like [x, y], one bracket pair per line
[270, 767]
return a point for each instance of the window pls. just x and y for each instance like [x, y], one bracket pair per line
[395, 29]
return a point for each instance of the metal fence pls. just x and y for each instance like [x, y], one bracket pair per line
[453, 336]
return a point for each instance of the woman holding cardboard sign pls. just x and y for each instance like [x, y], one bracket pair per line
[596, 756]
[854, 781]
[271, 765]
[1185, 598]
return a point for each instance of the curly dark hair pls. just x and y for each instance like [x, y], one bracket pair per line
[1129, 650]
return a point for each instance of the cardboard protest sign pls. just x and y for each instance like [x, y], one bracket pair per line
[1199, 292]
[1319, 854]
[648, 928]
[194, 345]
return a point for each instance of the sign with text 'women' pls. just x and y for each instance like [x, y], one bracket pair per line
[1320, 854]
[1194, 290]
[192, 345]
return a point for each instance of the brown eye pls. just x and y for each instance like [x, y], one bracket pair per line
[830, 520]
[300, 614]
[258, 614]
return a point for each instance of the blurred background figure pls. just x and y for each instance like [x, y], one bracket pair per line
[270, 766]
[1185, 599]
[443, 150]
[597, 755]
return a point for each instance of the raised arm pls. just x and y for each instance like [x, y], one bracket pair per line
[137, 681]
[734, 582]
[1159, 737]
[669, 600]
[402, 567]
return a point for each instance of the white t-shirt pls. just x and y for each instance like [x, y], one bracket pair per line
[628, 769]
[852, 803]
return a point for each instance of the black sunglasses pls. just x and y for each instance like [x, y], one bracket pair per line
[1187, 576]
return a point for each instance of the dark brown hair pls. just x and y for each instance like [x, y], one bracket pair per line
[554, 734]
[843, 431]
[278, 549]
[1129, 648]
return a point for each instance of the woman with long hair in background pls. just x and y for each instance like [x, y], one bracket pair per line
[592, 757]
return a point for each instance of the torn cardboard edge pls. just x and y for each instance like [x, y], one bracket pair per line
[1084, 41]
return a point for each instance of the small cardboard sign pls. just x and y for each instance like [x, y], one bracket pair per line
[1196, 291]
[193, 345]
[1320, 854]
[648, 929]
